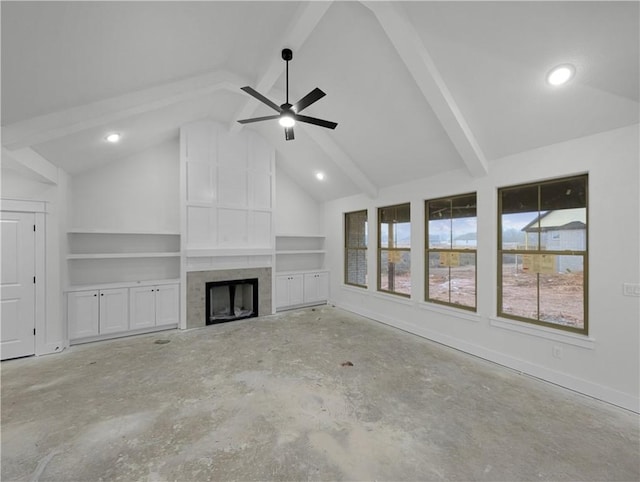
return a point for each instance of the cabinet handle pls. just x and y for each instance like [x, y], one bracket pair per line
[95, 294]
[101, 294]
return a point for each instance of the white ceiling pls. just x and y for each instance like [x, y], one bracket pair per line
[417, 88]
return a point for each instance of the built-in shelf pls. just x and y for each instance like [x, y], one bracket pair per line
[299, 253]
[286, 235]
[98, 256]
[171, 254]
[213, 252]
[116, 231]
[301, 271]
[122, 284]
[302, 251]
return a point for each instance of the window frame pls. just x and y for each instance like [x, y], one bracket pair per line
[398, 250]
[584, 253]
[347, 248]
[428, 250]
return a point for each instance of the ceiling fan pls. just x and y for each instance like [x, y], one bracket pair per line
[288, 114]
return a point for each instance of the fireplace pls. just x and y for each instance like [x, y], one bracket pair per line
[197, 292]
[231, 300]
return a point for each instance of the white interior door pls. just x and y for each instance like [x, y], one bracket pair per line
[17, 325]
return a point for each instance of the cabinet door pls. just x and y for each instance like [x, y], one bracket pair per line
[296, 289]
[282, 291]
[316, 287]
[114, 310]
[142, 307]
[82, 311]
[310, 287]
[323, 286]
[167, 304]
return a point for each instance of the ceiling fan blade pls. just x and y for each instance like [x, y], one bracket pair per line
[261, 98]
[258, 119]
[313, 96]
[318, 122]
[288, 134]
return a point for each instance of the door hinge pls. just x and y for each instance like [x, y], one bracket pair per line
[34, 332]
[34, 280]
[34, 227]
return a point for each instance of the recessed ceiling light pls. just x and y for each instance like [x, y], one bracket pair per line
[561, 74]
[113, 137]
[319, 176]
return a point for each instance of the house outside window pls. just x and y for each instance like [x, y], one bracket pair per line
[450, 258]
[542, 253]
[394, 249]
[355, 248]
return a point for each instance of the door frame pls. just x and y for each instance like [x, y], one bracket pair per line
[39, 209]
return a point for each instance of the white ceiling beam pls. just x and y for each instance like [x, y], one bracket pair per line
[29, 161]
[63, 123]
[341, 159]
[418, 61]
[304, 22]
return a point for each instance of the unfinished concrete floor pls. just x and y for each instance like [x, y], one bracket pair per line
[269, 399]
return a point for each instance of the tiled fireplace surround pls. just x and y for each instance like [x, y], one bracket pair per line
[196, 281]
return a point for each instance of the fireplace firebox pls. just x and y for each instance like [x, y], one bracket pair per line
[231, 300]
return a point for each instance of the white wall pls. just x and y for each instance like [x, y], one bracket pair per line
[138, 193]
[606, 364]
[51, 331]
[296, 211]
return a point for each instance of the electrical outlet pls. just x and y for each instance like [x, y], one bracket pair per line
[631, 289]
[557, 351]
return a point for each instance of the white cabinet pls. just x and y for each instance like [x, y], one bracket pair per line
[152, 306]
[298, 289]
[83, 312]
[316, 287]
[301, 277]
[114, 310]
[107, 311]
[142, 306]
[289, 290]
[97, 312]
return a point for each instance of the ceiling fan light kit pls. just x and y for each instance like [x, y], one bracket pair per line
[289, 114]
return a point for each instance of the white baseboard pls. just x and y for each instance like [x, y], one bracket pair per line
[49, 348]
[565, 380]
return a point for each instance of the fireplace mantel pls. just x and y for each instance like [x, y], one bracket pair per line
[215, 252]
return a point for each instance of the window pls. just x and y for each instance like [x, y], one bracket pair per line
[355, 248]
[394, 249]
[451, 241]
[542, 253]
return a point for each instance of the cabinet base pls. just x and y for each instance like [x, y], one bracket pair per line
[302, 305]
[122, 334]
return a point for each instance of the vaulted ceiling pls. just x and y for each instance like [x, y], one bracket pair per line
[417, 88]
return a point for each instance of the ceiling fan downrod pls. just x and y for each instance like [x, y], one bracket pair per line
[287, 55]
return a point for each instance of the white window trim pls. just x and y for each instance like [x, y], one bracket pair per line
[450, 311]
[554, 334]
